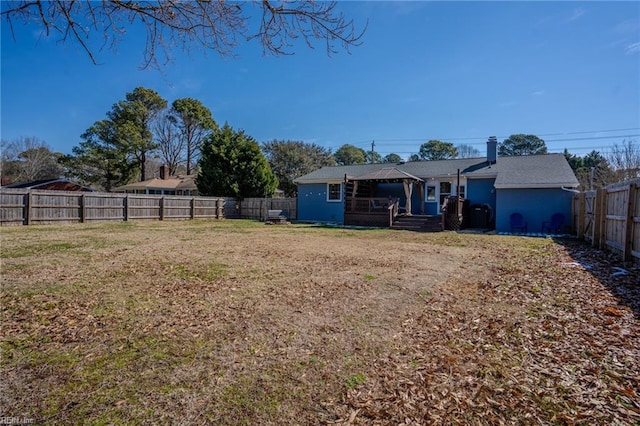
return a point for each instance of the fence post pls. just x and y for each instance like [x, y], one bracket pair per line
[581, 216]
[219, 211]
[628, 233]
[161, 203]
[192, 205]
[125, 207]
[28, 204]
[83, 209]
[596, 213]
[600, 218]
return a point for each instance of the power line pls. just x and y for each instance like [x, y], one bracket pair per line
[590, 138]
[547, 142]
[540, 135]
[591, 131]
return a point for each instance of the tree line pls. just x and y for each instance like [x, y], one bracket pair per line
[144, 131]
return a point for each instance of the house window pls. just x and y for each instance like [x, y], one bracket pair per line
[334, 192]
[445, 191]
[431, 193]
[463, 191]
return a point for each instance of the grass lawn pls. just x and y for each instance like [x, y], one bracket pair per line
[235, 322]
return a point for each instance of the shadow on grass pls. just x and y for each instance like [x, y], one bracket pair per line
[622, 279]
[338, 227]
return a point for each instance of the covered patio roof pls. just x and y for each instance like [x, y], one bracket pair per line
[388, 174]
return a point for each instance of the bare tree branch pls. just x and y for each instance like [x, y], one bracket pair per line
[170, 24]
[309, 19]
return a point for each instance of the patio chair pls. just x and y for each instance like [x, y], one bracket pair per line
[518, 223]
[554, 225]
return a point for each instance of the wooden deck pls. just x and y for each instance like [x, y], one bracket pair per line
[418, 223]
[380, 220]
[370, 211]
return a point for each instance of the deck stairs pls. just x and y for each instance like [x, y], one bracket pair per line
[418, 223]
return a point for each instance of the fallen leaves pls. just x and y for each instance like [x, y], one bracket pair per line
[231, 323]
[567, 352]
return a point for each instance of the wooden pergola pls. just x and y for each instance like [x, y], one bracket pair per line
[362, 207]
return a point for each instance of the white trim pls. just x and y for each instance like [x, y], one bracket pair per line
[328, 192]
[476, 176]
[310, 181]
[436, 184]
[426, 192]
[534, 186]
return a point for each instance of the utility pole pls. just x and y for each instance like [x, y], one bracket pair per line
[373, 152]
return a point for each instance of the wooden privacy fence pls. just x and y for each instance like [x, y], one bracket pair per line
[610, 218]
[26, 207]
[258, 208]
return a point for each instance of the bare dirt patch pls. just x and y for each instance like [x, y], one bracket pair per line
[235, 322]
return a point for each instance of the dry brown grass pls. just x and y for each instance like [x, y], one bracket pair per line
[235, 322]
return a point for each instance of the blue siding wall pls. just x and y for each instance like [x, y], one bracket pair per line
[536, 205]
[431, 208]
[481, 191]
[314, 207]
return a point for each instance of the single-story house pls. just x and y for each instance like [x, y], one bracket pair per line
[536, 186]
[163, 185]
[51, 185]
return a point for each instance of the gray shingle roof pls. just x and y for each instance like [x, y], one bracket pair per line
[334, 173]
[388, 174]
[550, 170]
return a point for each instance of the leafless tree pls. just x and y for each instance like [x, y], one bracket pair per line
[169, 139]
[625, 160]
[26, 159]
[215, 25]
[467, 151]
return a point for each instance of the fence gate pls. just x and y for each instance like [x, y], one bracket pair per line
[610, 218]
[590, 215]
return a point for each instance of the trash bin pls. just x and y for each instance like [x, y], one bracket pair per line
[479, 216]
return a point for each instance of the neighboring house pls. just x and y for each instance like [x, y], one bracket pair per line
[536, 186]
[51, 185]
[163, 185]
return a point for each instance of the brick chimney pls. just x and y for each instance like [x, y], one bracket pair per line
[492, 150]
[164, 172]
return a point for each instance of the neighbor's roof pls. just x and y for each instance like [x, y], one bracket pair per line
[174, 182]
[532, 171]
[52, 184]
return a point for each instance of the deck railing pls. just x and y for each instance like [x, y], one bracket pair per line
[370, 211]
[393, 211]
[372, 205]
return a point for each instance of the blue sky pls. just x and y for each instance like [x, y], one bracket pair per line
[568, 72]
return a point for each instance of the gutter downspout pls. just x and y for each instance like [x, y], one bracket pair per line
[575, 191]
